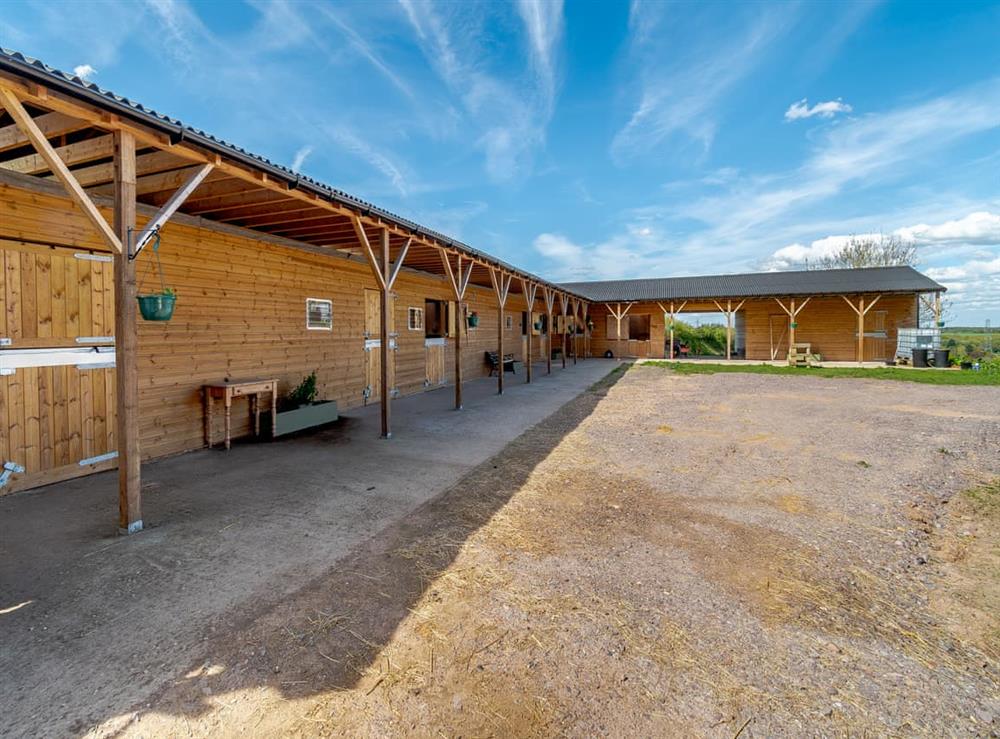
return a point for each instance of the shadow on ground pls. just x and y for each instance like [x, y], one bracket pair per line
[326, 636]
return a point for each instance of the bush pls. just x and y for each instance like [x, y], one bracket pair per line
[709, 339]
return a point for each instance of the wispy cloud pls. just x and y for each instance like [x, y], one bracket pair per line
[366, 50]
[300, 158]
[380, 160]
[802, 109]
[511, 110]
[683, 80]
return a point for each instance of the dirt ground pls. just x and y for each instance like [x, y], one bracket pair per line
[707, 555]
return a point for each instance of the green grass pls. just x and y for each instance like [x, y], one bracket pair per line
[985, 499]
[930, 377]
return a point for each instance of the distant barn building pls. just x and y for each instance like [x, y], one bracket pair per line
[843, 314]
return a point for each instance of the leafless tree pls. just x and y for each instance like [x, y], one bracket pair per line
[870, 251]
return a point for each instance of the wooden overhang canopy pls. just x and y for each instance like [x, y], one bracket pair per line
[241, 189]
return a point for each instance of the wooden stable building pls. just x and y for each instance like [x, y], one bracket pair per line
[275, 276]
[842, 314]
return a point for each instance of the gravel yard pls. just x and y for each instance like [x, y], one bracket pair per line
[667, 555]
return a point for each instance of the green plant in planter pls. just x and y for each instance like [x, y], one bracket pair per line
[304, 393]
[537, 325]
[473, 319]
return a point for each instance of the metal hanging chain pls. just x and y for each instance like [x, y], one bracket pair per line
[159, 266]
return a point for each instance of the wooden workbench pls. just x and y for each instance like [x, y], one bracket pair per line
[230, 389]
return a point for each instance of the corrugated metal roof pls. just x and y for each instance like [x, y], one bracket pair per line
[18, 63]
[760, 284]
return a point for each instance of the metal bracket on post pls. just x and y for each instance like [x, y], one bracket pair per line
[145, 235]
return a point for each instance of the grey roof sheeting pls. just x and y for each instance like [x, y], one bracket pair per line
[17, 63]
[760, 284]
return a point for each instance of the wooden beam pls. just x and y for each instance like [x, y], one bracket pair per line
[171, 206]
[398, 264]
[126, 342]
[359, 230]
[450, 273]
[464, 282]
[50, 124]
[41, 144]
[79, 152]
[872, 304]
[146, 164]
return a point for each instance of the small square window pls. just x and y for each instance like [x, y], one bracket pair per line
[319, 314]
[415, 319]
[510, 323]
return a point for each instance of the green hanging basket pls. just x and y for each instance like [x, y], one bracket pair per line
[473, 320]
[794, 325]
[537, 325]
[159, 307]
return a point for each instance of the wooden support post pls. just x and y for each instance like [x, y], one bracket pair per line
[550, 299]
[501, 286]
[563, 307]
[386, 405]
[459, 281]
[792, 310]
[385, 273]
[619, 314]
[861, 310]
[730, 312]
[671, 313]
[126, 339]
[529, 289]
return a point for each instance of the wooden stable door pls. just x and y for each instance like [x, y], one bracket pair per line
[876, 336]
[434, 364]
[57, 404]
[373, 343]
[778, 326]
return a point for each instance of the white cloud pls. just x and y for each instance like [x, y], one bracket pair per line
[976, 228]
[300, 158]
[799, 255]
[828, 109]
[84, 71]
[981, 227]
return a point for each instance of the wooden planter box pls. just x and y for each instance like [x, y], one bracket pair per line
[306, 416]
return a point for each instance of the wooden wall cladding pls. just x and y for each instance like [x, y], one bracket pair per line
[240, 314]
[827, 323]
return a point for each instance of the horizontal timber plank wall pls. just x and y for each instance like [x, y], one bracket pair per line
[240, 314]
[827, 323]
[601, 341]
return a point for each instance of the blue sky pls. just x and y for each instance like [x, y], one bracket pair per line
[593, 140]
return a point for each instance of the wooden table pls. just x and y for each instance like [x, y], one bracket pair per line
[230, 389]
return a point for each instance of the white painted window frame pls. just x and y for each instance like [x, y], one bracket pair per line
[412, 311]
[309, 302]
